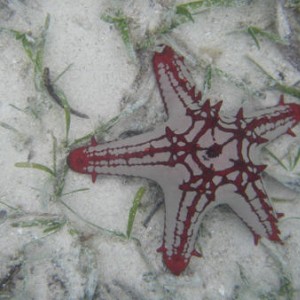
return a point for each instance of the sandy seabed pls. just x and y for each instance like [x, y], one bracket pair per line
[59, 247]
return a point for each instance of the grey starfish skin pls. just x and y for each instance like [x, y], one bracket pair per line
[200, 157]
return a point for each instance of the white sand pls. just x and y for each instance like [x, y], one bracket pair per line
[90, 264]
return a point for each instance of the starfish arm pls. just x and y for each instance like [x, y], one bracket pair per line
[268, 124]
[254, 210]
[176, 85]
[148, 155]
[184, 212]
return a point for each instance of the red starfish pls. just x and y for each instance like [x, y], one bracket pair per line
[200, 157]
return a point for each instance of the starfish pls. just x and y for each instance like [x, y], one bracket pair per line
[200, 157]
